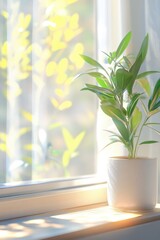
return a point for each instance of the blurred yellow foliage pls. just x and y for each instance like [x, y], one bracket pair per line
[75, 55]
[74, 21]
[63, 65]
[3, 63]
[23, 21]
[3, 147]
[61, 106]
[27, 115]
[51, 68]
[4, 48]
[65, 105]
[3, 136]
[4, 14]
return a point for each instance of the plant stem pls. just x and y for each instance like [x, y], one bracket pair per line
[140, 132]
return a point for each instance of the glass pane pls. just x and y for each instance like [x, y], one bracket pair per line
[47, 125]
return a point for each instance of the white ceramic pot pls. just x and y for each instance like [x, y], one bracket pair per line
[132, 183]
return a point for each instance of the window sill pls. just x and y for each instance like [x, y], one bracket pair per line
[74, 224]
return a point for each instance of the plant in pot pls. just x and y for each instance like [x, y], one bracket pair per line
[132, 180]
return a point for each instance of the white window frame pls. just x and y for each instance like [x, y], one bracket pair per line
[58, 195]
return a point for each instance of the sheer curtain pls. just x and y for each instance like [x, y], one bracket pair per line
[140, 17]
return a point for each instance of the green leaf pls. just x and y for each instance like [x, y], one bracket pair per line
[92, 62]
[127, 61]
[148, 142]
[136, 119]
[144, 48]
[122, 130]
[122, 79]
[144, 74]
[118, 118]
[154, 100]
[152, 123]
[99, 90]
[110, 57]
[101, 79]
[110, 143]
[157, 105]
[131, 106]
[113, 112]
[153, 112]
[123, 44]
[114, 134]
[138, 62]
[144, 83]
[134, 70]
[155, 130]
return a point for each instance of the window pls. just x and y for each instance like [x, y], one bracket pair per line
[47, 125]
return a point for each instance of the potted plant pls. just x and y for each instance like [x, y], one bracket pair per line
[132, 180]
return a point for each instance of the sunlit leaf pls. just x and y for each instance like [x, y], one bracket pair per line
[144, 74]
[113, 112]
[138, 62]
[92, 62]
[101, 79]
[123, 44]
[144, 83]
[136, 118]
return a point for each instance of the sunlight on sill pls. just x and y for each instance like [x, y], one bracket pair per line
[45, 226]
[97, 217]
